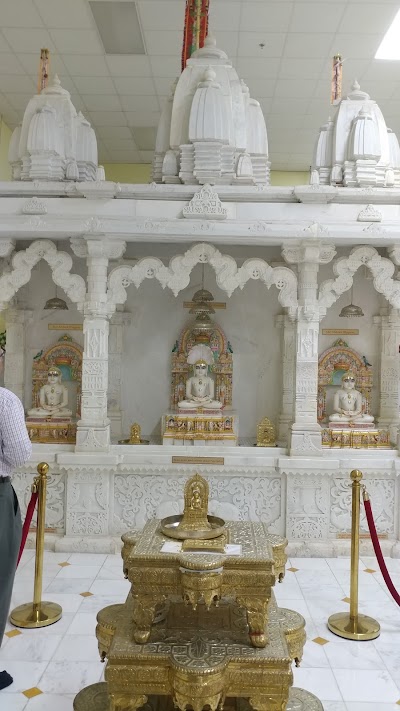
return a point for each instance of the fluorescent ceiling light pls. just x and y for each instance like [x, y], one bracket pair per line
[118, 26]
[390, 45]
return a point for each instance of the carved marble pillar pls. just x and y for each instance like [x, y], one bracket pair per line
[389, 398]
[93, 432]
[117, 323]
[14, 364]
[305, 431]
[288, 375]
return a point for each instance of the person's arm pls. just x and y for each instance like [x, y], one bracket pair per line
[16, 446]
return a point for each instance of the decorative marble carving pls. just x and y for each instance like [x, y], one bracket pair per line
[381, 268]
[34, 206]
[228, 275]
[205, 205]
[87, 503]
[369, 214]
[60, 264]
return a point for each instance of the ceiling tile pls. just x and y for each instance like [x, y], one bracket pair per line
[19, 14]
[102, 102]
[368, 18]
[4, 46]
[291, 68]
[135, 85]
[108, 118]
[273, 16]
[28, 40]
[295, 88]
[11, 83]
[113, 144]
[163, 85]
[360, 46]
[288, 120]
[261, 88]
[94, 85]
[77, 41]
[280, 105]
[117, 132]
[78, 103]
[128, 66]
[65, 13]
[154, 15]
[9, 64]
[19, 101]
[30, 62]
[219, 12]
[166, 66]
[381, 70]
[142, 103]
[86, 65]
[125, 157]
[158, 42]
[146, 156]
[299, 44]
[261, 44]
[257, 68]
[228, 41]
[142, 118]
[68, 83]
[317, 16]
[144, 137]
[266, 104]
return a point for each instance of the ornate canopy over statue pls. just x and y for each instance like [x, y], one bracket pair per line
[221, 367]
[336, 362]
[50, 417]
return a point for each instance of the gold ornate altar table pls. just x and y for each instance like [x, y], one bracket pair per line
[199, 656]
[247, 576]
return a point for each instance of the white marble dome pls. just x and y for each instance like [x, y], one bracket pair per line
[356, 148]
[54, 142]
[210, 130]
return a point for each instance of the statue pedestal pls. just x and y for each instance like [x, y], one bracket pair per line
[55, 430]
[357, 437]
[200, 427]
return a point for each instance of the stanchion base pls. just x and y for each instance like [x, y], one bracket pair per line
[30, 616]
[360, 628]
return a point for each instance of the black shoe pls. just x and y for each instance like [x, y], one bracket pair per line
[5, 680]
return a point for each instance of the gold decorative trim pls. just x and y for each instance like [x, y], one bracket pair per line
[65, 326]
[197, 460]
[340, 331]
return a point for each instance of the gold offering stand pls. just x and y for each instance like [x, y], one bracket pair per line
[134, 437]
[200, 622]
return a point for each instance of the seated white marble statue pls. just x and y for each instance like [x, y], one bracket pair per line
[200, 387]
[53, 397]
[347, 404]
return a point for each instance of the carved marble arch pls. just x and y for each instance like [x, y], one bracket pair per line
[332, 364]
[60, 264]
[344, 268]
[228, 275]
[221, 369]
[67, 356]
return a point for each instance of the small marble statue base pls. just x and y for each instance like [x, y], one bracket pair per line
[357, 437]
[200, 427]
[55, 430]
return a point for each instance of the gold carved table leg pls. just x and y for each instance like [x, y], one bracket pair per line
[257, 618]
[144, 608]
[126, 702]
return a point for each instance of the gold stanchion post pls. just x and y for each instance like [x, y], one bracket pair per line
[38, 613]
[352, 625]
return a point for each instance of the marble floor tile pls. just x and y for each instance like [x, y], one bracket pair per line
[88, 558]
[319, 564]
[361, 685]
[67, 677]
[51, 702]
[334, 705]
[83, 623]
[353, 655]
[13, 702]
[69, 585]
[111, 587]
[27, 647]
[319, 681]
[79, 571]
[25, 675]
[361, 706]
[80, 648]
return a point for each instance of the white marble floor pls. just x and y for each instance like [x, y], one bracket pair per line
[51, 665]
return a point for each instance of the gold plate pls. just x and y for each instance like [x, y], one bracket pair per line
[170, 527]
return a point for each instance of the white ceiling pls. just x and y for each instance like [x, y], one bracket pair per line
[290, 75]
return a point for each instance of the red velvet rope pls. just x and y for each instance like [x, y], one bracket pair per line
[27, 523]
[378, 552]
